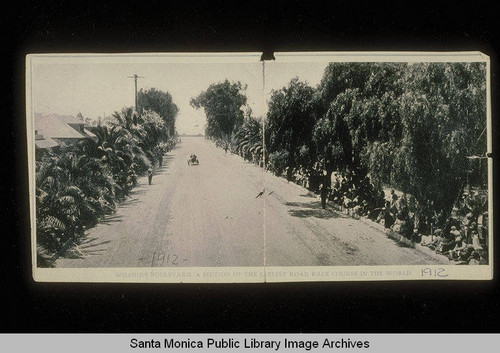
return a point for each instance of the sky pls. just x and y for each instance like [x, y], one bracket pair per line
[100, 87]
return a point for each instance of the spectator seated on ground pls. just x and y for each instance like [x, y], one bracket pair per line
[401, 224]
[483, 257]
[483, 229]
[427, 240]
[375, 215]
[469, 217]
[472, 226]
[434, 242]
[335, 196]
[474, 258]
[460, 245]
[416, 236]
[388, 215]
[446, 244]
[465, 253]
[401, 202]
[394, 197]
[423, 224]
[336, 187]
[455, 232]
[476, 243]
[365, 209]
[346, 202]
[380, 198]
[357, 209]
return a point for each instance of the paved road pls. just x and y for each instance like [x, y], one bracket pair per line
[211, 215]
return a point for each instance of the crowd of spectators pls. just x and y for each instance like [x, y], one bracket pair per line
[353, 192]
[462, 237]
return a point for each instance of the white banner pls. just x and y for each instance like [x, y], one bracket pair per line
[376, 343]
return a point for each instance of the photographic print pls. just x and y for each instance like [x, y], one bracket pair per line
[237, 167]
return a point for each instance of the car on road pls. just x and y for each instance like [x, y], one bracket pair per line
[193, 160]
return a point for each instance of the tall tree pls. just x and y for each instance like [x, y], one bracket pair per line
[359, 113]
[443, 115]
[339, 77]
[291, 117]
[223, 104]
[332, 137]
[161, 103]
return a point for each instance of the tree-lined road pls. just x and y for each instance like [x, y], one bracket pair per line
[212, 215]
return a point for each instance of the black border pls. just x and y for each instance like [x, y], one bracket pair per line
[64, 26]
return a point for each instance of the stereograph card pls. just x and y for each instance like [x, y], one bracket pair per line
[239, 167]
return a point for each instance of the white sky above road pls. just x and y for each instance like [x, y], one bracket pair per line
[98, 88]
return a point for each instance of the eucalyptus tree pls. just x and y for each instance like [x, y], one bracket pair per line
[443, 112]
[161, 103]
[338, 77]
[332, 137]
[360, 120]
[223, 104]
[291, 118]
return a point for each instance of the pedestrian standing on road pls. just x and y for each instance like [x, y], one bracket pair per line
[388, 217]
[324, 192]
[393, 198]
[323, 195]
[150, 175]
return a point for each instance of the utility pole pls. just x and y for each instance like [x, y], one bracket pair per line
[135, 77]
[265, 56]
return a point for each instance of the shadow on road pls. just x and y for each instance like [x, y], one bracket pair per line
[323, 259]
[309, 209]
[93, 246]
[111, 219]
[166, 162]
[167, 158]
[88, 247]
[308, 195]
[159, 170]
[92, 242]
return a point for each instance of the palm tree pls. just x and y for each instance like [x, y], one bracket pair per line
[121, 152]
[58, 206]
[127, 118]
[72, 192]
[247, 141]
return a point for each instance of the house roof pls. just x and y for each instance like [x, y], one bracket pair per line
[56, 126]
[90, 134]
[46, 143]
[52, 127]
[68, 119]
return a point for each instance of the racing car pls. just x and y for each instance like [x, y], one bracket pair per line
[193, 160]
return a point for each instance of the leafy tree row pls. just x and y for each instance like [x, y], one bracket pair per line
[411, 126]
